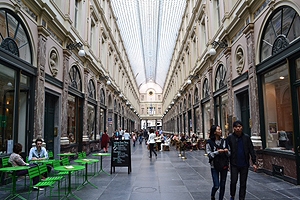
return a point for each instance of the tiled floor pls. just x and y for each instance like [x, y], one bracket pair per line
[170, 178]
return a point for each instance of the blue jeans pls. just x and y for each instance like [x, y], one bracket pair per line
[219, 181]
[140, 139]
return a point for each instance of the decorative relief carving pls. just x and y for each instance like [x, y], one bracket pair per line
[53, 60]
[240, 61]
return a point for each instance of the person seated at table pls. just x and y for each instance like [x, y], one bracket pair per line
[166, 143]
[39, 152]
[16, 160]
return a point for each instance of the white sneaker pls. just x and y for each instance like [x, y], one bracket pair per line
[37, 188]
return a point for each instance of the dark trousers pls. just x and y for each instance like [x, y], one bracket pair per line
[234, 172]
[151, 147]
[219, 181]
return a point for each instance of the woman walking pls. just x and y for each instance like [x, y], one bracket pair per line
[218, 154]
[151, 143]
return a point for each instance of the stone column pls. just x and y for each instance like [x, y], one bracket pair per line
[85, 137]
[64, 140]
[249, 34]
[40, 83]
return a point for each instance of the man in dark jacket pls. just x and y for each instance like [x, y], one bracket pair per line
[241, 148]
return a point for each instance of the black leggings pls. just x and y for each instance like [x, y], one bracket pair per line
[151, 147]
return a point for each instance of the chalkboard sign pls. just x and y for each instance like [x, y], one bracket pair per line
[120, 154]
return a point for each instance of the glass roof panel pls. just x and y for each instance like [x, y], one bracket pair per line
[149, 30]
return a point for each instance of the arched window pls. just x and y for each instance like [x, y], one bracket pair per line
[190, 101]
[14, 37]
[196, 96]
[282, 28]
[91, 89]
[75, 79]
[115, 106]
[220, 77]
[102, 96]
[205, 88]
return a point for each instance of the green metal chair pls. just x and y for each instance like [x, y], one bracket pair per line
[5, 162]
[50, 155]
[5, 177]
[34, 172]
[43, 171]
[80, 155]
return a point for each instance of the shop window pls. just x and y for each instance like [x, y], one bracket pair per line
[282, 28]
[206, 119]
[7, 104]
[91, 125]
[221, 107]
[74, 110]
[278, 109]
[298, 68]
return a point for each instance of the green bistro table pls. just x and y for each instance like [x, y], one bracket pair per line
[14, 194]
[43, 161]
[86, 162]
[101, 167]
[66, 154]
[69, 169]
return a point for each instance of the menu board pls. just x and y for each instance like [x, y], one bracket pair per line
[120, 154]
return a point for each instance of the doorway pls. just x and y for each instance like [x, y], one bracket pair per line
[243, 99]
[49, 123]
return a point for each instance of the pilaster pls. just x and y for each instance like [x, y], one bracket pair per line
[254, 115]
[40, 83]
[64, 140]
[85, 137]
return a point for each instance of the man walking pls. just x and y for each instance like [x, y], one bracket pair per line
[241, 148]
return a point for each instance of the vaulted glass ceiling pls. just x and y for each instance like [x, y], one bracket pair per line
[149, 31]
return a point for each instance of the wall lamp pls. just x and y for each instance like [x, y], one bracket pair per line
[215, 44]
[73, 46]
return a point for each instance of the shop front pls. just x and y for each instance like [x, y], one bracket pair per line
[278, 85]
[17, 76]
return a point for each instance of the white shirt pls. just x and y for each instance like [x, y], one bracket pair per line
[126, 136]
[151, 139]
